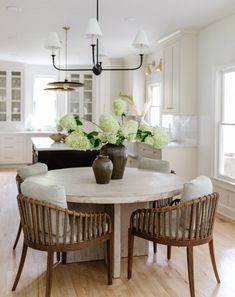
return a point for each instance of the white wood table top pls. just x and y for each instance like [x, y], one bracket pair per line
[136, 186]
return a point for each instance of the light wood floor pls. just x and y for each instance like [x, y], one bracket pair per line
[152, 275]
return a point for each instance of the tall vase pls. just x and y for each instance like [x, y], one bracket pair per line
[102, 168]
[118, 155]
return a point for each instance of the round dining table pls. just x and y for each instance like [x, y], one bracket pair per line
[120, 197]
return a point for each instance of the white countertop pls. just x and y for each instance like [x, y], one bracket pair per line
[47, 144]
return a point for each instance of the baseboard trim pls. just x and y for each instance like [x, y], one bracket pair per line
[226, 212]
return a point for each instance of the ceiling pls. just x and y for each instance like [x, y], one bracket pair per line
[24, 28]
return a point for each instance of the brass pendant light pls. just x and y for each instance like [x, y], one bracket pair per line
[66, 86]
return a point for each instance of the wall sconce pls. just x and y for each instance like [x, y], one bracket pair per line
[153, 67]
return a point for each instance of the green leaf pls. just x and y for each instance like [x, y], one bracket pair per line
[77, 119]
[97, 142]
[92, 133]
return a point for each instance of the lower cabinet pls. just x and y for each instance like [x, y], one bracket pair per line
[12, 149]
[16, 148]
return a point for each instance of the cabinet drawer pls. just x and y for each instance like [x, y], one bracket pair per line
[11, 140]
[12, 157]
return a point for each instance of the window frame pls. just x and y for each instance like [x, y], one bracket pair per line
[220, 123]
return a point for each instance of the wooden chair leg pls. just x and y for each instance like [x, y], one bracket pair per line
[110, 260]
[154, 247]
[50, 258]
[64, 258]
[211, 248]
[168, 252]
[190, 270]
[17, 236]
[58, 256]
[130, 253]
[21, 265]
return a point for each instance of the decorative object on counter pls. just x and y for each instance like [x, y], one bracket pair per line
[58, 137]
[94, 33]
[118, 155]
[102, 168]
[111, 134]
[139, 116]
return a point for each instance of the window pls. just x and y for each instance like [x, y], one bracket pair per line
[154, 93]
[225, 168]
[44, 114]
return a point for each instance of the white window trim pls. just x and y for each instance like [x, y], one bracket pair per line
[218, 122]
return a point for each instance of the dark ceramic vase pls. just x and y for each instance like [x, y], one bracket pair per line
[102, 168]
[118, 155]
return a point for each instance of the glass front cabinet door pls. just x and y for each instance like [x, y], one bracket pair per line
[81, 100]
[10, 96]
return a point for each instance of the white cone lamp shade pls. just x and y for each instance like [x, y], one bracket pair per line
[53, 41]
[141, 41]
[93, 30]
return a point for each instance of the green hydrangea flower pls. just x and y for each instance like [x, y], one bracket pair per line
[109, 124]
[119, 107]
[78, 141]
[68, 122]
[129, 129]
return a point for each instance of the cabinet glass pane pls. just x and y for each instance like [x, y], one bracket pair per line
[15, 107]
[3, 92]
[87, 97]
[15, 80]
[75, 77]
[3, 79]
[87, 117]
[75, 102]
[15, 95]
[3, 117]
[87, 85]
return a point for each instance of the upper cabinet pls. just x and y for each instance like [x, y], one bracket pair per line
[10, 96]
[179, 73]
[81, 101]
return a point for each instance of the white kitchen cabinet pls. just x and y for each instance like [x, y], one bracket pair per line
[81, 101]
[13, 149]
[16, 147]
[11, 95]
[179, 94]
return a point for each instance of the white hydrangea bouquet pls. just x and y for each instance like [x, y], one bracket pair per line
[111, 131]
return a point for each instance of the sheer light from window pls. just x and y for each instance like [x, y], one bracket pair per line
[44, 104]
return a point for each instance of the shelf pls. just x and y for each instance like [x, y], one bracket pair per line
[16, 88]
[16, 100]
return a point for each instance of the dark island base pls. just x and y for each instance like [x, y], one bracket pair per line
[67, 159]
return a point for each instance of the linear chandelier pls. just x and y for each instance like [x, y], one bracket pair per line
[94, 33]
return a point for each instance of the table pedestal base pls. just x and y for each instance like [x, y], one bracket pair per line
[120, 214]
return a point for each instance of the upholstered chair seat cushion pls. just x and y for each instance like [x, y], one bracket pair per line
[34, 169]
[154, 164]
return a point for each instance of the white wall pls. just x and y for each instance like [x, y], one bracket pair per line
[216, 48]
